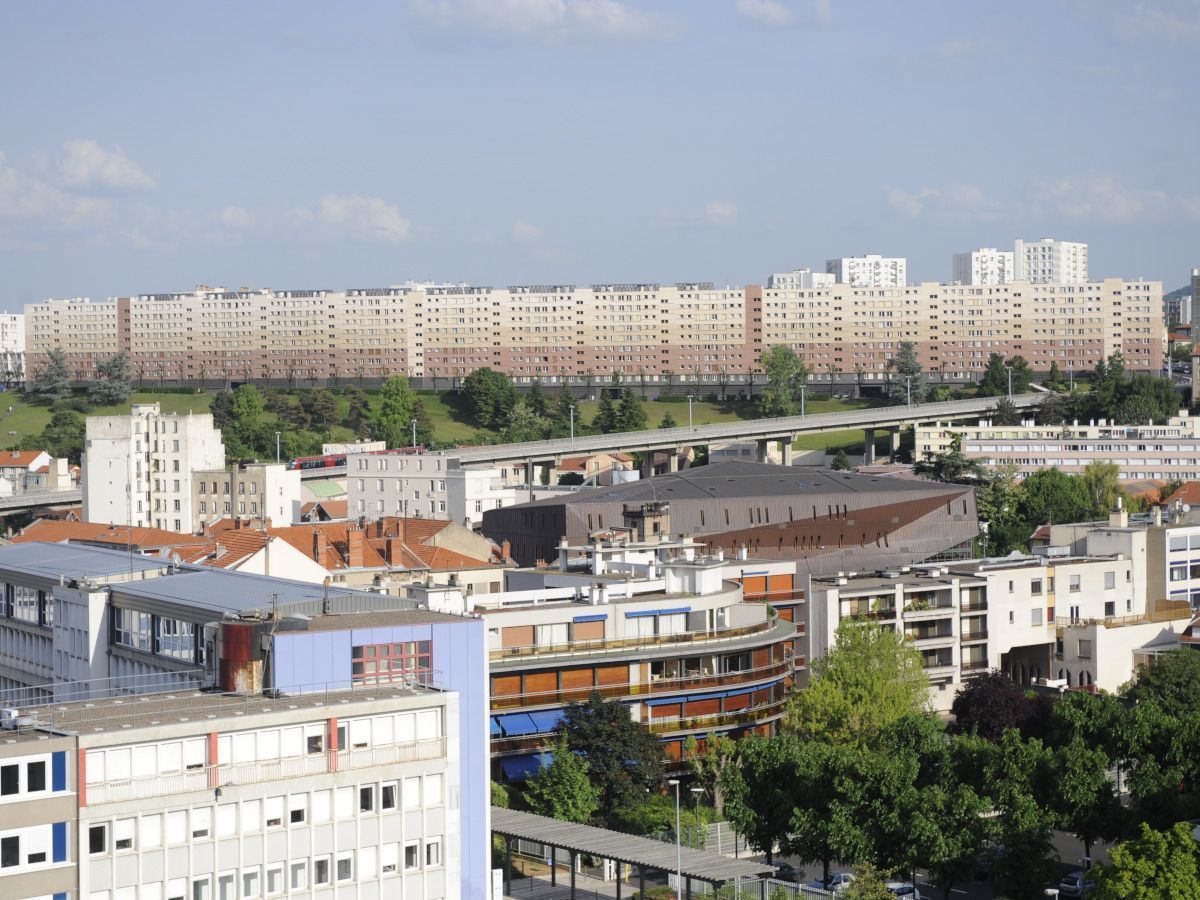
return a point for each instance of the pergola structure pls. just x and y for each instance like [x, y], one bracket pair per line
[642, 853]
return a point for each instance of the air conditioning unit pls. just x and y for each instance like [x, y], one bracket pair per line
[9, 719]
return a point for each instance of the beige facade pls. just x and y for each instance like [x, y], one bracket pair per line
[646, 333]
[258, 492]
[1166, 452]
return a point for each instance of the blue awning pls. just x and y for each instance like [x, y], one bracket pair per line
[718, 694]
[762, 572]
[496, 729]
[546, 720]
[519, 768]
[599, 617]
[658, 612]
[516, 724]
[665, 701]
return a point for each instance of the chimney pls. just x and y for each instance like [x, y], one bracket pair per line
[319, 546]
[1118, 518]
[379, 528]
[1158, 516]
[356, 542]
[505, 551]
[394, 552]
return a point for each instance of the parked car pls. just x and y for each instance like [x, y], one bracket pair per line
[837, 882]
[905, 889]
[786, 872]
[1076, 884]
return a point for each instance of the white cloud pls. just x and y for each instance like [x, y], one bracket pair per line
[1167, 21]
[719, 212]
[957, 200]
[236, 217]
[526, 232]
[551, 21]
[1092, 197]
[31, 199]
[768, 13]
[1103, 198]
[358, 216]
[88, 166]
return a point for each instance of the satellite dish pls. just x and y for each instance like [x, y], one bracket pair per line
[1187, 508]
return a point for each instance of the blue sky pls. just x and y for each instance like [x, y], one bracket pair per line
[154, 146]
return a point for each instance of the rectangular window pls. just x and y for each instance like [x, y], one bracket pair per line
[10, 779]
[408, 661]
[389, 857]
[433, 852]
[1110, 580]
[226, 886]
[412, 793]
[1073, 583]
[366, 798]
[10, 852]
[387, 795]
[123, 834]
[345, 866]
[297, 808]
[177, 639]
[274, 880]
[250, 883]
[1035, 586]
[299, 875]
[97, 839]
[134, 629]
[1110, 607]
[274, 812]
[321, 870]
[202, 888]
[412, 856]
[201, 822]
[1035, 616]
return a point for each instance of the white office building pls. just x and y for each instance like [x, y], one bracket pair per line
[1050, 262]
[987, 265]
[425, 485]
[12, 346]
[137, 469]
[869, 271]
[801, 280]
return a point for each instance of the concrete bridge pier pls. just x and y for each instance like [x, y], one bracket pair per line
[764, 450]
[648, 464]
[894, 441]
[869, 447]
[786, 451]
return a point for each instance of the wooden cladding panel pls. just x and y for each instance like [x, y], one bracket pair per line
[588, 631]
[516, 636]
[541, 682]
[506, 685]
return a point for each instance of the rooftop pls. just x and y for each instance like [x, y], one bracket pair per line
[737, 479]
[155, 710]
[76, 561]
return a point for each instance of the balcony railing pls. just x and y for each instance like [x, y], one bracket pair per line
[975, 635]
[718, 720]
[974, 606]
[1173, 611]
[208, 777]
[974, 665]
[645, 688]
[599, 645]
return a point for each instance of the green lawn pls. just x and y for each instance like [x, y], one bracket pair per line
[20, 418]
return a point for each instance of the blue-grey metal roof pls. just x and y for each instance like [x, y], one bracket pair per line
[75, 561]
[217, 591]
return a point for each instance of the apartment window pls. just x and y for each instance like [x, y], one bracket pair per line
[1110, 607]
[123, 834]
[35, 776]
[433, 852]
[298, 873]
[389, 855]
[1074, 583]
[1085, 649]
[1035, 616]
[366, 798]
[10, 852]
[202, 888]
[226, 883]
[1010, 586]
[10, 779]
[297, 808]
[275, 883]
[316, 741]
[201, 822]
[1035, 586]
[412, 856]
[320, 870]
[387, 795]
[98, 839]
[383, 663]
[1110, 580]
[177, 639]
[345, 866]
[250, 883]
[274, 809]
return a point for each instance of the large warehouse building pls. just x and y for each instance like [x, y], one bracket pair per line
[829, 521]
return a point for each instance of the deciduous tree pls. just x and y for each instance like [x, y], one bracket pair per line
[562, 789]
[1154, 865]
[397, 403]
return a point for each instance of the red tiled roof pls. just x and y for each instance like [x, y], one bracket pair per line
[57, 531]
[10, 459]
[1188, 492]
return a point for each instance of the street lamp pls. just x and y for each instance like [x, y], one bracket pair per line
[572, 409]
[414, 431]
[908, 388]
[678, 845]
[277, 434]
[689, 410]
[803, 387]
[1010, 382]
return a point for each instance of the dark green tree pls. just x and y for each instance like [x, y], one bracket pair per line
[490, 396]
[906, 373]
[1051, 496]
[841, 462]
[1054, 378]
[1018, 775]
[63, 437]
[1172, 680]
[425, 435]
[1083, 794]
[397, 404]
[1005, 412]
[605, 421]
[322, 409]
[52, 381]
[112, 384]
[668, 421]
[989, 705]
[624, 758]
[951, 465]
[995, 377]
[539, 404]
[631, 415]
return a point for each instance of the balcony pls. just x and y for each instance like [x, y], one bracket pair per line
[1172, 611]
[751, 716]
[971, 636]
[618, 645]
[974, 665]
[661, 686]
[208, 777]
[872, 610]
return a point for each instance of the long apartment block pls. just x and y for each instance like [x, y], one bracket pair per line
[652, 333]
